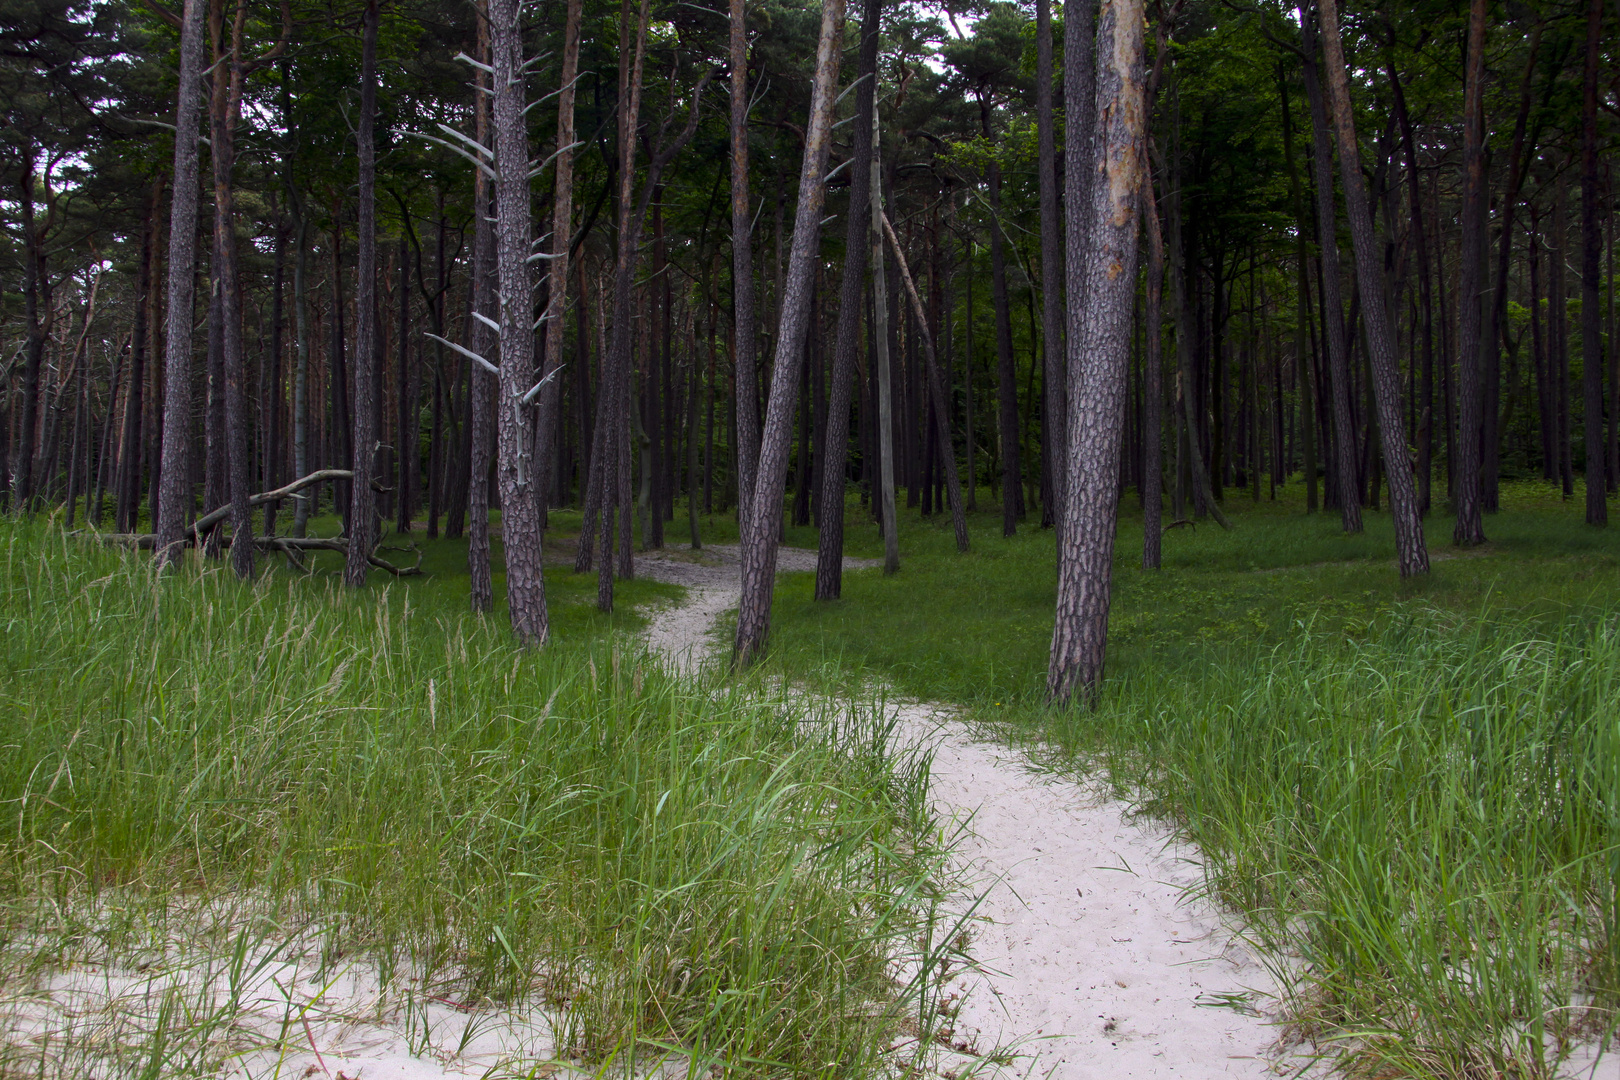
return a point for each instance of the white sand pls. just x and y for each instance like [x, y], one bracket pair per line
[1093, 959]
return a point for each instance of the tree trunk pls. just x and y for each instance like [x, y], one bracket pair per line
[482, 340]
[887, 522]
[936, 393]
[301, 372]
[1052, 236]
[1410, 548]
[362, 500]
[174, 496]
[129, 482]
[760, 539]
[562, 217]
[1101, 289]
[1007, 378]
[520, 519]
[1597, 506]
[1466, 493]
[1333, 328]
[1152, 480]
[742, 272]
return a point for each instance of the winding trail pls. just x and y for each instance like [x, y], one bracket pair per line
[1095, 962]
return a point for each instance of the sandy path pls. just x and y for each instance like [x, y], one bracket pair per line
[1094, 963]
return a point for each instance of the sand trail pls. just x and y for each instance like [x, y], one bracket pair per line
[1094, 959]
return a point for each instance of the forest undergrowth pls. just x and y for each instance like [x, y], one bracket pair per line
[1409, 790]
[193, 766]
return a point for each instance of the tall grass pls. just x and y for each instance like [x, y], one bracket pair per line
[1428, 819]
[1411, 789]
[671, 867]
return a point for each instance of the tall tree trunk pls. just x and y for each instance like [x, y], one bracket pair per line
[1101, 290]
[362, 500]
[1466, 494]
[742, 272]
[1597, 506]
[174, 496]
[830, 551]
[613, 400]
[760, 539]
[1333, 328]
[129, 461]
[407, 392]
[1496, 312]
[1052, 242]
[520, 516]
[1152, 480]
[1420, 241]
[1007, 378]
[481, 339]
[936, 392]
[300, 407]
[888, 524]
[562, 217]
[1410, 548]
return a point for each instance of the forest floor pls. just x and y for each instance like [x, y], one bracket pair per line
[1093, 956]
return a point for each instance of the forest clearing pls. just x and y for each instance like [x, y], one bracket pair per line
[784, 538]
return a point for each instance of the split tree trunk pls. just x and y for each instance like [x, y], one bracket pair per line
[1052, 240]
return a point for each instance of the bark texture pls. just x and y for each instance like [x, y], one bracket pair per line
[1411, 551]
[1102, 286]
[175, 473]
[742, 271]
[1466, 493]
[763, 525]
[830, 554]
[362, 500]
[520, 517]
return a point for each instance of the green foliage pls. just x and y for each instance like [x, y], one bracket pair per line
[722, 872]
[1408, 789]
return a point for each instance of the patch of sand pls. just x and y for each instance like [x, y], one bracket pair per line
[1094, 959]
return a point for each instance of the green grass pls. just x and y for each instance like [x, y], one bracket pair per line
[1410, 788]
[669, 867]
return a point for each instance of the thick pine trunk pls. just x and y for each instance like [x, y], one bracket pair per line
[1410, 548]
[520, 517]
[174, 496]
[763, 526]
[1101, 290]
